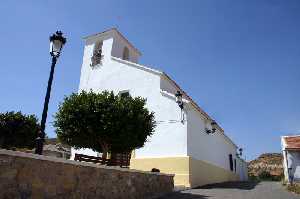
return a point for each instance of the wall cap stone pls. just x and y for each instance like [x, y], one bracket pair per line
[72, 162]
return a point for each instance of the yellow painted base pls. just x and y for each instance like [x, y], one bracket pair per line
[170, 165]
[202, 173]
[188, 171]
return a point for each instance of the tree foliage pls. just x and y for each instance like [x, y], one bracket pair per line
[18, 130]
[104, 122]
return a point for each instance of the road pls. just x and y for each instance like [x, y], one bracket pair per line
[246, 190]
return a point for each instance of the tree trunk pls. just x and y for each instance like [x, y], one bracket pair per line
[104, 147]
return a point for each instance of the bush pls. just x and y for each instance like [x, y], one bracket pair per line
[18, 130]
[253, 178]
[265, 175]
[277, 178]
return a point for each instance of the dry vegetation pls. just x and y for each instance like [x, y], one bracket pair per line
[268, 166]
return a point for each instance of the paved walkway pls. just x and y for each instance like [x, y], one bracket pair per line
[262, 190]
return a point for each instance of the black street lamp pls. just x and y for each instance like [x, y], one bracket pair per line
[57, 42]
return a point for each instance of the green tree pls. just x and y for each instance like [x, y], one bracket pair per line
[18, 130]
[104, 122]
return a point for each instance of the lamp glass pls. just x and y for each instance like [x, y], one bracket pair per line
[213, 126]
[178, 97]
[55, 47]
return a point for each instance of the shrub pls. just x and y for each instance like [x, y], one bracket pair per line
[265, 175]
[18, 130]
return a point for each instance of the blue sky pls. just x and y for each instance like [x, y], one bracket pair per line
[240, 60]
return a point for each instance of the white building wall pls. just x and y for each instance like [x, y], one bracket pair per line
[293, 158]
[212, 148]
[242, 169]
[284, 161]
[118, 48]
[117, 75]
[170, 138]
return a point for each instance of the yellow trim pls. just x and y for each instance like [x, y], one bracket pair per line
[188, 171]
[202, 173]
[170, 165]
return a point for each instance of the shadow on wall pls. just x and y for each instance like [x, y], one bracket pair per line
[231, 185]
[179, 195]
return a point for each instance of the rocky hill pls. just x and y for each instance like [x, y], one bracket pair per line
[270, 162]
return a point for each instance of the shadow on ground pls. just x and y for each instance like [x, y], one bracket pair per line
[179, 195]
[231, 185]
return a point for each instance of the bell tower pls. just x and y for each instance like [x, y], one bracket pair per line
[101, 46]
[99, 49]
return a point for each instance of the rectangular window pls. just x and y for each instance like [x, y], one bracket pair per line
[124, 93]
[230, 162]
[235, 165]
[97, 53]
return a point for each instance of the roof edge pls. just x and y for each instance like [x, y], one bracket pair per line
[198, 108]
[142, 67]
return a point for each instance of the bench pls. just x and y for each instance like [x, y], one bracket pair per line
[87, 158]
[117, 159]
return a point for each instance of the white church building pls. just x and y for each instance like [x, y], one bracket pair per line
[186, 142]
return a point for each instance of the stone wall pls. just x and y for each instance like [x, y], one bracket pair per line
[25, 175]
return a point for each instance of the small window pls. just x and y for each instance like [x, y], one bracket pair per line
[235, 165]
[124, 93]
[125, 54]
[230, 162]
[97, 53]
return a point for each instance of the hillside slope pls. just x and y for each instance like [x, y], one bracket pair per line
[270, 162]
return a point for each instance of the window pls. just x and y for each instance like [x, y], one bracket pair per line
[97, 53]
[230, 162]
[235, 165]
[125, 54]
[124, 93]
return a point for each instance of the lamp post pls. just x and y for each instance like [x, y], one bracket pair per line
[57, 42]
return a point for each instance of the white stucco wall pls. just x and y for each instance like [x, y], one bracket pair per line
[294, 163]
[117, 75]
[213, 148]
[242, 169]
[284, 160]
[118, 48]
[171, 137]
